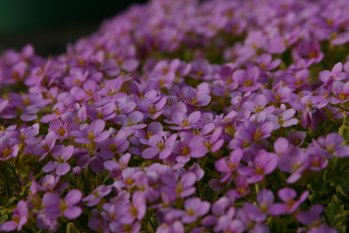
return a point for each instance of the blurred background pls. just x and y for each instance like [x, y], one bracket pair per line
[50, 25]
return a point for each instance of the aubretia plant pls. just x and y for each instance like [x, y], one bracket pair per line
[183, 116]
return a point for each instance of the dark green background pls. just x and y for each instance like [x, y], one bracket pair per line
[50, 24]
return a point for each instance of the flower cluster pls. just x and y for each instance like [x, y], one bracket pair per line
[180, 116]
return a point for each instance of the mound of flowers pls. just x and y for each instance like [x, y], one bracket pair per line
[183, 116]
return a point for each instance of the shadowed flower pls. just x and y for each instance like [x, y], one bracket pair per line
[62, 155]
[19, 218]
[55, 207]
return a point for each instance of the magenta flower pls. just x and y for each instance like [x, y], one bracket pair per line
[56, 207]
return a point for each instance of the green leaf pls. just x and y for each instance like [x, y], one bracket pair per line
[71, 228]
[3, 218]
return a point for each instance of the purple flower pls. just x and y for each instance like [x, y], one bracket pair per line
[124, 105]
[19, 218]
[138, 207]
[105, 111]
[152, 105]
[215, 141]
[251, 132]
[8, 148]
[341, 91]
[288, 195]
[95, 197]
[248, 79]
[182, 121]
[309, 51]
[91, 133]
[195, 97]
[265, 200]
[189, 146]
[55, 207]
[58, 110]
[179, 187]
[229, 164]
[312, 216]
[62, 155]
[241, 189]
[332, 145]
[86, 92]
[285, 118]
[264, 163]
[159, 146]
[132, 120]
[335, 74]
[258, 105]
[296, 137]
[266, 63]
[117, 144]
[291, 160]
[176, 227]
[194, 208]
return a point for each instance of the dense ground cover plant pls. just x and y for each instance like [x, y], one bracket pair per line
[183, 116]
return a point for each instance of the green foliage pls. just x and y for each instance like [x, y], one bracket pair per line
[331, 188]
